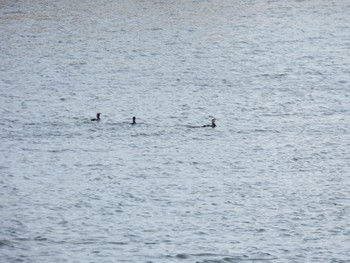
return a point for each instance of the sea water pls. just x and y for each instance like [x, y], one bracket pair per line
[269, 184]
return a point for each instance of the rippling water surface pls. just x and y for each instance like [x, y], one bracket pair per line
[269, 184]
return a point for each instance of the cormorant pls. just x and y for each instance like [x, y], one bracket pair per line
[97, 117]
[213, 125]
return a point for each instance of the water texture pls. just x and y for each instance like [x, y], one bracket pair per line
[269, 184]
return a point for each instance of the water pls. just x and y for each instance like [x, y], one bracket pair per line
[269, 184]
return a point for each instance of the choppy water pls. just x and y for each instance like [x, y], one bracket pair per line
[269, 184]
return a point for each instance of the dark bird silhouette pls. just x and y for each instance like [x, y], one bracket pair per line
[133, 120]
[97, 117]
[213, 125]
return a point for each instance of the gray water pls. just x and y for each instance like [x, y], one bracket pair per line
[269, 184]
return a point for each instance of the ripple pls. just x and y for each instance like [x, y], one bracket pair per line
[272, 174]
